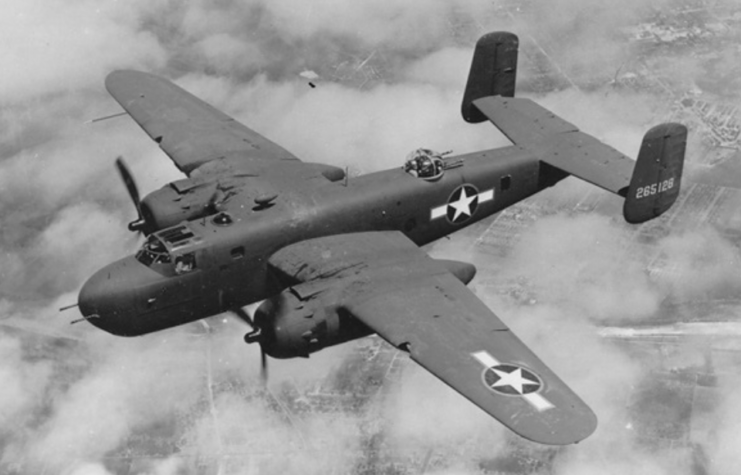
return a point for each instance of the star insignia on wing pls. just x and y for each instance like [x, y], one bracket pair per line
[511, 380]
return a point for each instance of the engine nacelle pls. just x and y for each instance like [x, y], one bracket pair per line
[175, 203]
[304, 319]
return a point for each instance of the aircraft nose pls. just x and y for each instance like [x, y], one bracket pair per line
[108, 299]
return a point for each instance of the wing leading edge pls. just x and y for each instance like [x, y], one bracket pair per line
[190, 131]
[415, 303]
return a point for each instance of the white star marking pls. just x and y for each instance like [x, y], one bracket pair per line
[536, 400]
[514, 379]
[441, 211]
[463, 205]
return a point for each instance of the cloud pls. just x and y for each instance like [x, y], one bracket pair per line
[128, 385]
[724, 437]
[22, 382]
[412, 25]
[57, 46]
[705, 265]
[580, 263]
[390, 80]
[90, 469]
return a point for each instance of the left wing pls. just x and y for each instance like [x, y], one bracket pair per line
[416, 304]
[187, 129]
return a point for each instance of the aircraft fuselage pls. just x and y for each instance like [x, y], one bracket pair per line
[228, 262]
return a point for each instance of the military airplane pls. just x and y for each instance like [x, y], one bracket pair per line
[336, 258]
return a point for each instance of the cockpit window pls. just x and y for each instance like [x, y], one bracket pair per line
[153, 252]
[185, 263]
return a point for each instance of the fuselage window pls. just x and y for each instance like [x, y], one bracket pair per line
[505, 183]
[237, 253]
[185, 263]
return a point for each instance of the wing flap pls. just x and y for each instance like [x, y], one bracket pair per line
[414, 303]
[190, 131]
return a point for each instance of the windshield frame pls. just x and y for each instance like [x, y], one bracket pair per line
[153, 251]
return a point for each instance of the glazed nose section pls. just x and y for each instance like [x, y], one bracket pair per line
[108, 298]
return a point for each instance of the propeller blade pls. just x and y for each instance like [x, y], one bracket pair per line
[263, 366]
[254, 337]
[128, 179]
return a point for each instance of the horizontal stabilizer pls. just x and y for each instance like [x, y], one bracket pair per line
[522, 120]
[558, 142]
[493, 72]
[649, 185]
[585, 157]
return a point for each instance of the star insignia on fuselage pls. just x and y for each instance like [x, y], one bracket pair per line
[511, 380]
[462, 204]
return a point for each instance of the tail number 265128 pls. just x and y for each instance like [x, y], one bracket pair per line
[650, 190]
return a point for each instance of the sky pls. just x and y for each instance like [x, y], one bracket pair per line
[71, 395]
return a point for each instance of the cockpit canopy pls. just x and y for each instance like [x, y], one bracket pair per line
[153, 251]
[170, 246]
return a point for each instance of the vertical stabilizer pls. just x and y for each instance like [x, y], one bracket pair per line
[654, 185]
[493, 72]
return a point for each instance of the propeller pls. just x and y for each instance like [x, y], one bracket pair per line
[140, 223]
[254, 337]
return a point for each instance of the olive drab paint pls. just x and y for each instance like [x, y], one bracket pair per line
[337, 258]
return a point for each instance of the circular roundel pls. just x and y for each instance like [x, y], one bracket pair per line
[511, 380]
[462, 204]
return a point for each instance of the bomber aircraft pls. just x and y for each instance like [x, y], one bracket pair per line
[336, 258]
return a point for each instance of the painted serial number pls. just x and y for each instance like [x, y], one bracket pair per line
[650, 190]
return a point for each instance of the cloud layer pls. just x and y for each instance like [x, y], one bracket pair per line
[390, 79]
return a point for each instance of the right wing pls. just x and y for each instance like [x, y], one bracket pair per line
[190, 131]
[413, 302]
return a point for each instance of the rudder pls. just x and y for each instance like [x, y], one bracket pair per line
[493, 72]
[655, 183]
